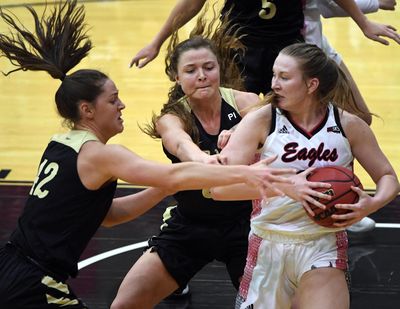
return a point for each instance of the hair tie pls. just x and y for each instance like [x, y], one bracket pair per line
[63, 76]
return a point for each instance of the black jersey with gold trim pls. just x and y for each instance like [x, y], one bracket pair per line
[61, 215]
[197, 204]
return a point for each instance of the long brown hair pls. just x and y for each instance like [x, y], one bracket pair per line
[57, 44]
[217, 36]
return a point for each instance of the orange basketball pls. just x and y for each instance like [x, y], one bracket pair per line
[341, 180]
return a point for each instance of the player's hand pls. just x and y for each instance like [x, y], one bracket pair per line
[212, 159]
[223, 138]
[358, 210]
[304, 191]
[387, 5]
[375, 31]
[144, 56]
[268, 177]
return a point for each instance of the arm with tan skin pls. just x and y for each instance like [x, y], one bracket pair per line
[179, 143]
[251, 132]
[185, 10]
[99, 163]
[127, 208]
[330, 9]
[371, 30]
[366, 150]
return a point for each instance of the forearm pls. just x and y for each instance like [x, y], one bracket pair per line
[234, 192]
[354, 12]
[187, 151]
[193, 175]
[127, 208]
[329, 8]
[386, 190]
[183, 11]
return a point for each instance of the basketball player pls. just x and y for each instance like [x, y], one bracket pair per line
[306, 125]
[77, 176]
[313, 35]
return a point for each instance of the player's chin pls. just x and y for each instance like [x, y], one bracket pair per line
[203, 93]
[119, 128]
[121, 123]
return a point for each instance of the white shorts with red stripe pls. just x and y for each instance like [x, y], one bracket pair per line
[276, 263]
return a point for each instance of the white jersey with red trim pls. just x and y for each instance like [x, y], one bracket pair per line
[324, 145]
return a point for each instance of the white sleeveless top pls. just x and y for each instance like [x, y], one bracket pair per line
[325, 145]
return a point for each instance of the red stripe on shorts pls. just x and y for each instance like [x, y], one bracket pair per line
[251, 262]
[342, 244]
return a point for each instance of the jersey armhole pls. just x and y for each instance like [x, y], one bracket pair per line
[337, 120]
[273, 120]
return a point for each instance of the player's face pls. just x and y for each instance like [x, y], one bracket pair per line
[198, 73]
[108, 111]
[288, 83]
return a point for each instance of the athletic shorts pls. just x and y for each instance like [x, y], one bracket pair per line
[275, 265]
[23, 285]
[257, 62]
[185, 247]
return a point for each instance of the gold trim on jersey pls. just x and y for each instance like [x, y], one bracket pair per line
[226, 94]
[74, 138]
[59, 286]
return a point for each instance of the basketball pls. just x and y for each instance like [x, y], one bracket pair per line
[341, 180]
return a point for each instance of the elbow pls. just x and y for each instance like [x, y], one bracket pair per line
[107, 223]
[398, 188]
[215, 194]
[109, 220]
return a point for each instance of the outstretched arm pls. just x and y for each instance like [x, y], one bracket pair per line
[127, 208]
[330, 9]
[179, 143]
[372, 30]
[99, 164]
[183, 11]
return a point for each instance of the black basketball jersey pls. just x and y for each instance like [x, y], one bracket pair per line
[196, 204]
[267, 21]
[61, 215]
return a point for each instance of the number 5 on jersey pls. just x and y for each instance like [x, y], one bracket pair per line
[268, 10]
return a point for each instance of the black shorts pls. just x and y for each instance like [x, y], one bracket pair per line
[25, 286]
[257, 62]
[185, 247]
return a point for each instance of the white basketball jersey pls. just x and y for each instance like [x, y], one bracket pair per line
[296, 148]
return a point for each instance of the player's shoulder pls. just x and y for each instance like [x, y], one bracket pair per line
[353, 126]
[349, 119]
[98, 150]
[260, 115]
[245, 99]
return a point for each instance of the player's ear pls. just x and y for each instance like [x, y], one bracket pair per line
[86, 109]
[312, 85]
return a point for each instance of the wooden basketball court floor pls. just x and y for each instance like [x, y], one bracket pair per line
[118, 30]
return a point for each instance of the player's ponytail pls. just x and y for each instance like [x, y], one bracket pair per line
[58, 43]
